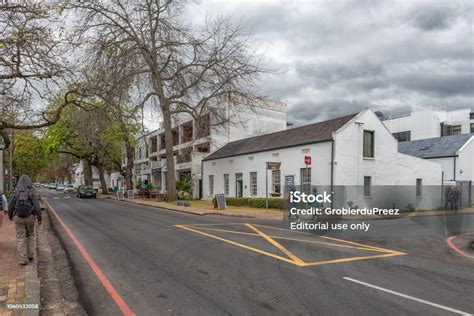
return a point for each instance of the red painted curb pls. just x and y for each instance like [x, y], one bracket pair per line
[98, 272]
[455, 248]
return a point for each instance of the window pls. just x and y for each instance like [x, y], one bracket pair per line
[306, 180]
[403, 136]
[211, 185]
[367, 186]
[472, 127]
[368, 151]
[471, 115]
[457, 130]
[226, 184]
[418, 187]
[253, 183]
[276, 181]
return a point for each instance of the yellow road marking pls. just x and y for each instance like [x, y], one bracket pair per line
[239, 244]
[352, 259]
[274, 243]
[293, 259]
[330, 238]
[288, 238]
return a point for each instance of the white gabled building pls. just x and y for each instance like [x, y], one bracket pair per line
[354, 156]
[424, 123]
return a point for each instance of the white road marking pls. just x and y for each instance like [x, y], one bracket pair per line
[55, 197]
[80, 199]
[410, 297]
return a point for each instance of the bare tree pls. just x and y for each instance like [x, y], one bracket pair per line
[185, 69]
[32, 63]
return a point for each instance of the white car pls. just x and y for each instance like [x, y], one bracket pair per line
[69, 188]
[60, 187]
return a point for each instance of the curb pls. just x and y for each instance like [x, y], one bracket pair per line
[192, 213]
[32, 283]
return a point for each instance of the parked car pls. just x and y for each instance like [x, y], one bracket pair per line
[69, 188]
[60, 187]
[37, 185]
[52, 186]
[86, 191]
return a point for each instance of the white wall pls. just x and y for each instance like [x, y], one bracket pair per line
[292, 160]
[447, 164]
[465, 162]
[388, 169]
[426, 123]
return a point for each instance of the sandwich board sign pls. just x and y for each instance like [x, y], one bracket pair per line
[130, 194]
[120, 196]
[219, 202]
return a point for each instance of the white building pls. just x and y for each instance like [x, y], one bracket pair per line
[78, 175]
[424, 123]
[354, 156]
[454, 153]
[194, 140]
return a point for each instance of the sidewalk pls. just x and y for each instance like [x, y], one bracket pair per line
[18, 284]
[206, 208]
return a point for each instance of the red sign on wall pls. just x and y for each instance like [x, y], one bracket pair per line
[307, 160]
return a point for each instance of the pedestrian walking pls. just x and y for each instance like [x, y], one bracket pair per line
[3, 207]
[23, 209]
[455, 197]
[446, 197]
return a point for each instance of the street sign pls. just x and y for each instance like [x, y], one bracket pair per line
[120, 195]
[220, 202]
[273, 165]
[307, 160]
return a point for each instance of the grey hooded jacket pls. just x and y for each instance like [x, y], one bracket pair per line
[24, 183]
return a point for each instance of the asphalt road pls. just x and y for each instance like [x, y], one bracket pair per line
[240, 266]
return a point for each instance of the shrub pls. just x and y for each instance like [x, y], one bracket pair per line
[277, 203]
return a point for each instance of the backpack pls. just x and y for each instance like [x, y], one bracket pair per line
[1, 202]
[24, 204]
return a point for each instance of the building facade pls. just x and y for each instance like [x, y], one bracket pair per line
[424, 123]
[355, 157]
[194, 140]
[454, 153]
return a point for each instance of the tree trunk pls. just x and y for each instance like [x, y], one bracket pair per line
[129, 168]
[170, 170]
[103, 183]
[87, 173]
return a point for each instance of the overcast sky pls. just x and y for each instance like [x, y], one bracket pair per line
[337, 57]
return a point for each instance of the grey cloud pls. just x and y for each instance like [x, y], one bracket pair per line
[440, 85]
[433, 18]
[338, 57]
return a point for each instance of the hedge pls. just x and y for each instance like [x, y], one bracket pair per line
[276, 203]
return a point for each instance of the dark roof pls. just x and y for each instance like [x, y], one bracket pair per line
[446, 146]
[308, 134]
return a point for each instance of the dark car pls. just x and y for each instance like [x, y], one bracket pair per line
[84, 191]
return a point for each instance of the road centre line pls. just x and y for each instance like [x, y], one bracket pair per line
[277, 245]
[368, 248]
[409, 297]
[126, 311]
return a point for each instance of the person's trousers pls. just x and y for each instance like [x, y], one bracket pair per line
[25, 237]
